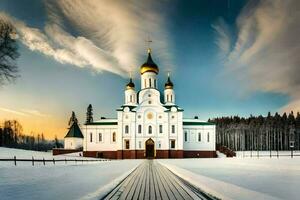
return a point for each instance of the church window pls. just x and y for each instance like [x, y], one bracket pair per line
[160, 128]
[149, 102]
[130, 98]
[139, 116]
[173, 128]
[139, 129]
[185, 136]
[150, 129]
[171, 98]
[140, 144]
[114, 136]
[167, 98]
[150, 82]
[172, 144]
[207, 137]
[173, 116]
[145, 83]
[91, 137]
[126, 129]
[100, 137]
[199, 137]
[149, 95]
[159, 145]
[127, 144]
[155, 83]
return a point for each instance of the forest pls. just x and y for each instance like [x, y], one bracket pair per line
[11, 135]
[273, 132]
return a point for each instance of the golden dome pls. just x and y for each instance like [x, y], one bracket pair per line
[169, 84]
[130, 85]
[149, 66]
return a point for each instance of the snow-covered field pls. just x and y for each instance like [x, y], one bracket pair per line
[227, 178]
[81, 181]
[242, 178]
[9, 153]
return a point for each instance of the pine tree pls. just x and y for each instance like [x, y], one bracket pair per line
[73, 119]
[89, 114]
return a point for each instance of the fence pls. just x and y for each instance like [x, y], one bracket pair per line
[271, 154]
[33, 161]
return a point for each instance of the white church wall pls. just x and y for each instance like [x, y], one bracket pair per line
[73, 143]
[130, 97]
[169, 96]
[208, 137]
[148, 80]
[100, 137]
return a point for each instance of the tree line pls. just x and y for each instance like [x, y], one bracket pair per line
[11, 135]
[273, 132]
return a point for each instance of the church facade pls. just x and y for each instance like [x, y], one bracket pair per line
[146, 127]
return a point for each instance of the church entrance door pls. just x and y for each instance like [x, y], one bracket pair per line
[149, 148]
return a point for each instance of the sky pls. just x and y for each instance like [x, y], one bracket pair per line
[225, 57]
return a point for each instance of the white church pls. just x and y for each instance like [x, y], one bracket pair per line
[145, 127]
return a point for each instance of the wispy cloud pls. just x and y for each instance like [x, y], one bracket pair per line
[110, 35]
[35, 113]
[13, 111]
[265, 54]
[24, 112]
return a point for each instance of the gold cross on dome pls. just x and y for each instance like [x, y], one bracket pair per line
[148, 44]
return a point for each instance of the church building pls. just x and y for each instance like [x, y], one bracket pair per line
[146, 127]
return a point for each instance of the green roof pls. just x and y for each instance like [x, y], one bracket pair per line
[198, 123]
[102, 123]
[74, 131]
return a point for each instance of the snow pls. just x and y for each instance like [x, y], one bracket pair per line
[266, 153]
[81, 181]
[220, 155]
[9, 153]
[242, 178]
[227, 178]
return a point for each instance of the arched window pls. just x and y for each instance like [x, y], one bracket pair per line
[139, 128]
[150, 129]
[199, 137]
[114, 136]
[173, 128]
[160, 128]
[126, 129]
[100, 137]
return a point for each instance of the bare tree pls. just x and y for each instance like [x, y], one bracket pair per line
[8, 52]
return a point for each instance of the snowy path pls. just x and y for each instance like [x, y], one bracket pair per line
[153, 181]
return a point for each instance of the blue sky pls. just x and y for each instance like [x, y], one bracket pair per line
[196, 40]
